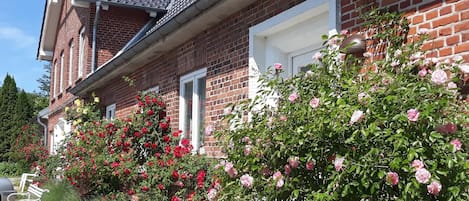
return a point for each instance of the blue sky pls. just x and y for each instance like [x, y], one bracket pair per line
[20, 27]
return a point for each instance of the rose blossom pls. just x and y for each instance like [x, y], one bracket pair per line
[279, 178]
[434, 188]
[344, 32]
[294, 161]
[392, 178]
[417, 164]
[464, 68]
[212, 194]
[452, 85]
[362, 96]
[278, 66]
[423, 31]
[209, 130]
[422, 175]
[247, 150]
[422, 72]
[457, 58]
[357, 116]
[230, 169]
[314, 102]
[439, 77]
[457, 144]
[395, 63]
[339, 163]
[293, 96]
[246, 181]
[317, 56]
[287, 169]
[397, 53]
[310, 165]
[413, 115]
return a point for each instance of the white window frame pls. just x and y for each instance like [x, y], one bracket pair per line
[191, 77]
[70, 63]
[61, 85]
[111, 112]
[297, 11]
[55, 78]
[81, 52]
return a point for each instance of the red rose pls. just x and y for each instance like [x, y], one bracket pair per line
[127, 171]
[164, 126]
[154, 100]
[200, 178]
[144, 175]
[153, 146]
[150, 163]
[126, 129]
[176, 134]
[166, 139]
[149, 123]
[160, 186]
[175, 174]
[185, 142]
[137, 134]
[147, 144]
[150, 112]
[130, 192]
[167, 150]
[144, 130]
[115, 165]
[174, 198]
[145, 188]
[180, 184]
[137, 97]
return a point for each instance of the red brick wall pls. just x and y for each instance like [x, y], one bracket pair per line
[448, 21]
[115, 28]
[222, 49]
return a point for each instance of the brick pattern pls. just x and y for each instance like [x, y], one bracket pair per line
[222, 49]
[447, 20]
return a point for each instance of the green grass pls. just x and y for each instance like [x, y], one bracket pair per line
[60, 191]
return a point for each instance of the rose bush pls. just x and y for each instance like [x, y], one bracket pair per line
[137, 158]
[394, 128]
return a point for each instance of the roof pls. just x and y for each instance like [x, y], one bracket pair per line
[176, 7]
[141, 4]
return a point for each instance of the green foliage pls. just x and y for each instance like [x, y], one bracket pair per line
[352, 130]
[8, 169]
[28, 147]
[44, 81]
[8, 97]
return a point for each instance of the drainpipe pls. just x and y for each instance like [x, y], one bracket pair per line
[45, 129]
[95, 25]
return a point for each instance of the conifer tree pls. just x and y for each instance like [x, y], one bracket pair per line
[8, 97]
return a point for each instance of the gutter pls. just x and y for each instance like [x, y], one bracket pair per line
[95, 29]
[159, 34]
[43, 113]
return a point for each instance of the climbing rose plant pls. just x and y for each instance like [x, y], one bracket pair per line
[137, 158]
[390, 129]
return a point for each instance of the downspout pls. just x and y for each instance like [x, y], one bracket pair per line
[93, 43]
[45, 129]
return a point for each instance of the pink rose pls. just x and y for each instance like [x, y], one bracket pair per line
[395, 63]
[247, 150]
[339, 163]
[279, 178]
[232, 172]
[439, 77]
[423, 72]
[212, 194]
[294, 162]
[458, 58]
[310, 165]
[422, 31]
[209, 130]
[317, 56]
[246, 181]
[417, 164]
[283, 118]
[278, 66]
[413, 115]
[457, 144]
[344, 32]
[293, 96]
[434, 188]
[362, 96]
[246, 140]
[448, 128]
[357, 116]
[422, 175]
[464, 68]
[314, 102]
[392, 178]
[397, 53]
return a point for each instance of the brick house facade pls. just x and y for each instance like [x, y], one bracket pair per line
[202, 55]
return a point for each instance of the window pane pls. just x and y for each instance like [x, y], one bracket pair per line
[188, 90]
[201, 94]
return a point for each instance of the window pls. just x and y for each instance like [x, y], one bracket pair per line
[192, 106]
[111, 112]
[81, 52]
[61, 85]
[70, 64]
[55, 79]
[61, 130]
[288, 38]
[155, 89]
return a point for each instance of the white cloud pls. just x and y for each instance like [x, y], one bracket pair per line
[17, 37]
